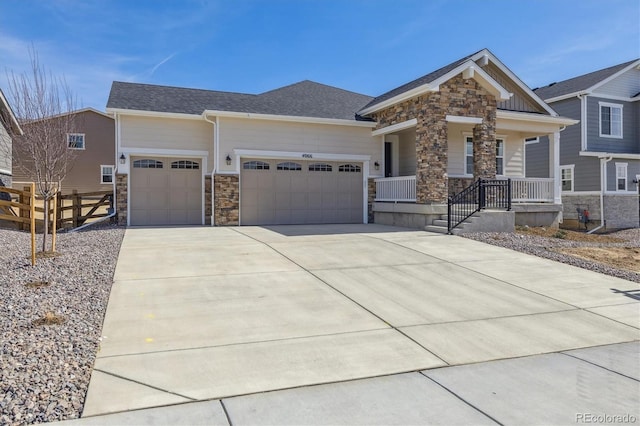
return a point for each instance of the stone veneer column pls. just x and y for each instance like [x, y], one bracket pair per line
[432, 152]
[208, 201]
[484, 151]
[226, 204]
[121, 198]
[371, 197]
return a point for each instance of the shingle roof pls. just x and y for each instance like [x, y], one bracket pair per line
[425, 79]
[304, 99]
[579, 83]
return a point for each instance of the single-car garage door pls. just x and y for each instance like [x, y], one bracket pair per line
[279, 192]
[166, 191]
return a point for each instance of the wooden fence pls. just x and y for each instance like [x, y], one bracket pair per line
[25, 205]
[65, 211]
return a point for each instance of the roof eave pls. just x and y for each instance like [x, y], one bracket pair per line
[15, 125]
[290, 118]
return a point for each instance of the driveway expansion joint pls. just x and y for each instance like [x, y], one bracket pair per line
[601, 366]
[144, 384]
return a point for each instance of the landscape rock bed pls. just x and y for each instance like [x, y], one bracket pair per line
[546, 245]
[46, 368]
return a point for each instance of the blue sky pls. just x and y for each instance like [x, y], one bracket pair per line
[251, 46]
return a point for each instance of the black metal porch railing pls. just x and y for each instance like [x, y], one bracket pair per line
[481, 194]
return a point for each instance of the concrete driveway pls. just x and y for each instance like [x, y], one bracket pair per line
[200, 313]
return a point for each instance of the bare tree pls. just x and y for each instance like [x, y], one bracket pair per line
[43, 105]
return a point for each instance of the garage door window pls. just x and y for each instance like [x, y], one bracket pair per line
[349, 168]
[185, 164]
[289, 166]
[255, 165]
[147, 164]
[320, 167]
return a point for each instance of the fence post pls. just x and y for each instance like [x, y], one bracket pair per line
[54, 222]
[59, 209]
[21, 211]
[76, 208]
[481, 191]
[32, 213]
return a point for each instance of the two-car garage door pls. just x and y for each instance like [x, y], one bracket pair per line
[166, 191]
[298, 192]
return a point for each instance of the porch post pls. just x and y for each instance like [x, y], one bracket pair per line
[554, 166]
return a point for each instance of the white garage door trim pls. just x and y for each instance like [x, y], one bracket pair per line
[304, 156]
[164, 153]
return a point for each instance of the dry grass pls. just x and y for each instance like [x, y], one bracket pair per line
[49, 318]
[37, 284]
[566, 234]
[619, 257]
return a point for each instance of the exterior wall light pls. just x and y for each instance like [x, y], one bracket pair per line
[376, 165]
[123, 159]
[228, 160]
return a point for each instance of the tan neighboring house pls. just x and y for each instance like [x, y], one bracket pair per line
[94, 166]
[312, 153]
[9, 127]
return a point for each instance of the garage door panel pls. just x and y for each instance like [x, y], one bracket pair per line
[166, 196]
[300, 196]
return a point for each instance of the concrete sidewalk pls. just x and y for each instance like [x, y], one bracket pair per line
[200, 314]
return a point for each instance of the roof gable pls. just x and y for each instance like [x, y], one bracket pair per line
[583, 83]
[472, 66]
[7, 117]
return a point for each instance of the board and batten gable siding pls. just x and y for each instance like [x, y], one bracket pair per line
[513, 155]
[626, 85]
[520, 101]
[167, 133]
[265, 135]
[630, 137]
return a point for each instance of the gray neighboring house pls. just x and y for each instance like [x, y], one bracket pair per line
[9, 127]
[600, 158]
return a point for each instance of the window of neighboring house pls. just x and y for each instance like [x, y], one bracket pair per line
[528, 141]
[566, 177]
[106, 174]
[621, 176]
[500, 157]
[468, 155]
[610, 120]
[75, 140]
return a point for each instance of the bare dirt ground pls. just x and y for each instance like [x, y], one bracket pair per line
[607, 251]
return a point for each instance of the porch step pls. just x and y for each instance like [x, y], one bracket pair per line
[441, 225]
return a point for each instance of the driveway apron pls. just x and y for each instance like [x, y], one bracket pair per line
[201, 313]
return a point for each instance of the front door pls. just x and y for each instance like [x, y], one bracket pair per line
[388, 161]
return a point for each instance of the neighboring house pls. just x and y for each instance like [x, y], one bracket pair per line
[94, 164]
[600, 158]
[9, 127]
[311, 153]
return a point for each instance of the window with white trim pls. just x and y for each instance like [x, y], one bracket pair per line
[566, 177]
[468, 155]
[106, 174]
[499, 157]
[75, 140]
[610, 120]
[621, 176]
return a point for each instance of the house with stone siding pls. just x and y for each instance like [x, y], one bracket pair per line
[600, 158]
[312, 153]
[9, 128]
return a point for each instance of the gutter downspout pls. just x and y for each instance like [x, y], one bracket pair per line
[603, 186]
[215, 165]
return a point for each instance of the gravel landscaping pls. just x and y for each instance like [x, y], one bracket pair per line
[46, 366]
[51, 315]
[555, 244]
